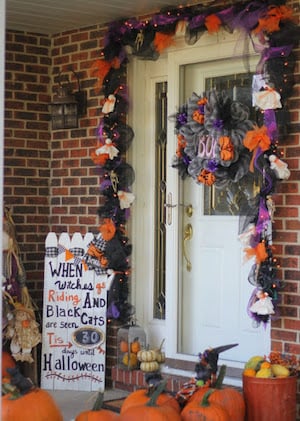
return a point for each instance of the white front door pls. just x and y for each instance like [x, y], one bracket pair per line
[206, 280]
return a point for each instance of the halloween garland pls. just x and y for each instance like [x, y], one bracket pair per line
[217, 142]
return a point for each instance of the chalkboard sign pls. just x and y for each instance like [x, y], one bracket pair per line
[88, 337]
[74, 317]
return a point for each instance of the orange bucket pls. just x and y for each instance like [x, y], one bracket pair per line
[270, 399]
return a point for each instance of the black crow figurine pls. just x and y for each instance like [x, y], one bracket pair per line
[207, 367]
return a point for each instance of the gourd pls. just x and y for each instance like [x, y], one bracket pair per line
[229, 398]
[98, 413]
[123, 346]
[135, 347]
[205, 410]
[160, 355]
[151, 410]
[36, 405]
[146, 355]
[149, 366]
[142, 396]
[130, 360]
[250, 372]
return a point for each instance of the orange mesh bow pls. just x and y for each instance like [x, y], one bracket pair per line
[255, 139]
[270, 21]
[100, 69]
[181, 144]
[259, 252]
[227, 148]
[198, 116]
[212, 23]
[107, 229]
[163, 41]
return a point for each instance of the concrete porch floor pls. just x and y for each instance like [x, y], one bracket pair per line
[72, 402]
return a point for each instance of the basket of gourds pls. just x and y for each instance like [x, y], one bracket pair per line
[130, 340]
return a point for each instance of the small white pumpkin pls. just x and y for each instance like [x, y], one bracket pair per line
[146, 355]
[149, 366]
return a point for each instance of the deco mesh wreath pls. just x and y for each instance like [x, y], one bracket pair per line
[210, 131]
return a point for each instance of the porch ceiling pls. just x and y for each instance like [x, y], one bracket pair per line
[55, 16]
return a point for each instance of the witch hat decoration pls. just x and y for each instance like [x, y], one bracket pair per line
[206, 369]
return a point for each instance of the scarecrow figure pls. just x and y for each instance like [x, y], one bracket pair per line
[18, 310]
[23, 330]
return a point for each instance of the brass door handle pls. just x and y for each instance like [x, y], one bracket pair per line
[188, 234]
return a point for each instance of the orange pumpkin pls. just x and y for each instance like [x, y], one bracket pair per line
[142, 396]
[130, 360]
[205, 410]
[232, 400]
[123, 346]
[151, 410]
[7, 362]
[36, 405]
[135, 347]
[250, 372]
[228, 397]
[98, 413]
[265, 364]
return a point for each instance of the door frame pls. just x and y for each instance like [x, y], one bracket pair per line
[226, 46]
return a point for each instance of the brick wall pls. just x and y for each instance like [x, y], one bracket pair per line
[27, 148]
[285, 331]
[74, 187]
[51, 182]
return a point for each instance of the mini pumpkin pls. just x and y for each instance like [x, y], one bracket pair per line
[130, 360]
[123, 346]
[149, 366]
[146, 355]
[250, 372]
[135, 347]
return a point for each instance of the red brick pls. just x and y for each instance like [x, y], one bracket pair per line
[283, 335]
[292, 348]
[292, 324]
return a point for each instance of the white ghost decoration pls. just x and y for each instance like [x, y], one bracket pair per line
[280, 168]
[267, 99]
[125, 198]
[108, 148]
[263, 305]
[109, 104]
